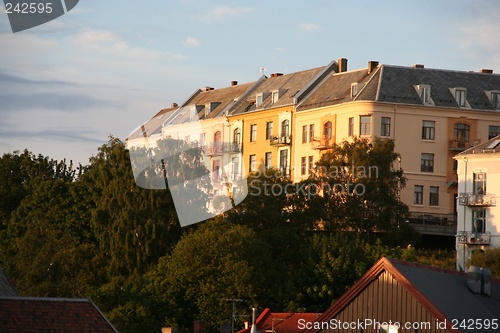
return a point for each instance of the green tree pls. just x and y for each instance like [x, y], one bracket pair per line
[489, 259]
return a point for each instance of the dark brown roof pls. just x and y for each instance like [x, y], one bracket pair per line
[51, 315]
[443, 292]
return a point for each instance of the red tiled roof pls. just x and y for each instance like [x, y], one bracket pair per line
[51, 315]
[281, 322]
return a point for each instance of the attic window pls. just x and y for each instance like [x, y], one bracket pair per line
[354, 89]
[275, 96]
[495, 99]
[259, 100]
[424, 91]
[461, 97]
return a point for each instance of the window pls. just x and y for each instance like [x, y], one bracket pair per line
[303, 166]
[304, 134]
[354, 89]
[495, 100]
[311, 132]
[424, 92]
[418, 194]
[284, 161]
[461, 132]
[285, 127]
[253, 163]
[434, 196]
[493, 131]
[428, 129]
[259, 100]
[253, 133]
[216, 170]
[236, 167]
[460, 96]
[351, 127]
[237, 136]
[275, 96]
[327, 130]
[269, 161]
[364, 125]
[385, 129]
[187, 138]
[217, 137]
[203, 140]
[427, 162]
[479, 180]
[269, 130]
[311, 164]
[478, 220]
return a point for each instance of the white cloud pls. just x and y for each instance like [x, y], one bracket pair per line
[122, 49]
[221, 13]
[309, 27]
[191, 41]
[95, 36]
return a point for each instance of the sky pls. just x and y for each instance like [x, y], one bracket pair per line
[106, 67]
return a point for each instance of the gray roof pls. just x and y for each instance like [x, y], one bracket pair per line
[6, 286]
[152, 126]
[396, 84]
[487, 147]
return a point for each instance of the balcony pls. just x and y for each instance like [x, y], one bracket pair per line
[458, 145]
[219, 148]
[474, 238]
[284, 140]
[476, 200]
[320, 143]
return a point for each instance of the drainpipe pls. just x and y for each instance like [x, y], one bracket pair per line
[465, 207]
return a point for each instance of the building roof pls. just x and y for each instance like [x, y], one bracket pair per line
[152, 126]
[443, 292]
[487, 147]
[51, 315]
[280, 322]
[397, 84]
[7, 288]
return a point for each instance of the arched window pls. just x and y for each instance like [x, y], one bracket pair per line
[237, 136]
[285, 127]
[327, 130]
[217, 136]
[461, 132]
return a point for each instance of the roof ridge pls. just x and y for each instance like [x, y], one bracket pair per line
[439, 69]
[50, 299]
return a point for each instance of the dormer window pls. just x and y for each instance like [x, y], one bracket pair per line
[424, 92]
[461, 97]
[259, 99]
[495, 99]
[275, 96]
[354, 89]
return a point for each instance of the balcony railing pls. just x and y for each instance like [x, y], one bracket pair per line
[458, 145]
[324, 142]
[218, 148]
[284, 140]
[479, 238]
[478, 200]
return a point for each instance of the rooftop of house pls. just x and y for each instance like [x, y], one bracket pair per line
[280, 322]
[55, 315]
[488, 147]
[444, 292]
[7, 288]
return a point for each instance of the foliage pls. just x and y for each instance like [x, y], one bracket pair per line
[489, 258]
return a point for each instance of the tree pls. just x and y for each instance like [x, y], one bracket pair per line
[489, 259]
[356, 188]
[215, 262]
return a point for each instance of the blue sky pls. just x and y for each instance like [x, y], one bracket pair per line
[107, 66]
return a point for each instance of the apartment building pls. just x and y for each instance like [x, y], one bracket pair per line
[478, 223]
[289, 121]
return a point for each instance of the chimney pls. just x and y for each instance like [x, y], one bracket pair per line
[485, 281]
[474, 279]
[342, 65]
[254, 324]
[371, 66]
[276, 74]
[246, 324]
[418, 66]
[207, 88]
[200, 326]
[174, 105]
[234, 83]
[486, 71]
[169, 330]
